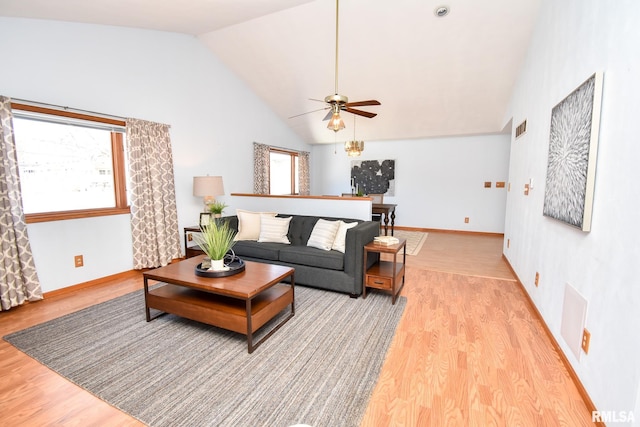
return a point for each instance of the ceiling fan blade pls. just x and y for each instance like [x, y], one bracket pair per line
[309, 112]
[328, 116]
[362, 103]
[360, 112]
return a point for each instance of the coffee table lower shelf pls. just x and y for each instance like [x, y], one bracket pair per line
[238, 315]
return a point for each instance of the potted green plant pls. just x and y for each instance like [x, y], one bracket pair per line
[216, 208]
[216, 239]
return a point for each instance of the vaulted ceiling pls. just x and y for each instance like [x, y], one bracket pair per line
[434, 76]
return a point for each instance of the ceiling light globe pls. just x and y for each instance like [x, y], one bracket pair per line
[336, 123]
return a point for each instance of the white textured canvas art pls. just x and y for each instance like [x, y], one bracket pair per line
[573, 146]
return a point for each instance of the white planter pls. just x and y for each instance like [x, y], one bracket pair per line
[217, 265]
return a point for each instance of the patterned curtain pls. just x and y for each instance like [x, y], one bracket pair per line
[304, 183]
[261, 163]
[18, 277]
[154, 216]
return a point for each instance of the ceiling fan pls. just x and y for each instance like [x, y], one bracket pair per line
[337, 102]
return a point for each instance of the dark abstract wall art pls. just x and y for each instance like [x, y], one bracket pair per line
[374, 176]
[573, 149]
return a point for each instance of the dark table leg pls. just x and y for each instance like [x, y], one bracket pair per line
[146, 304]
[393, 219]
[386, 224]
[292, 311]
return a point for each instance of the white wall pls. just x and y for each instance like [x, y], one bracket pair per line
[572, 40]
[157, 76]
[439, 181]
[54, 246]
[345, 207]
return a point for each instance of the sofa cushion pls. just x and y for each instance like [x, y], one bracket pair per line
[313, 257]
[274, 229]
[300, 228]
[323, 234]
[249, 224]
[249, 248]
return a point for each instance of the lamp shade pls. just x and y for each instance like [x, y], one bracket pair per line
[204, 186]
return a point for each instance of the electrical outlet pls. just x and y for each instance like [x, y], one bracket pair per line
[586, 339]
[79, 261]
[500, 184]
[466, 220]
[189, 237]
[508, 243]
[526, 189]
[537, 281]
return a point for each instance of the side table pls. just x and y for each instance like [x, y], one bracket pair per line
[191, 249]
[385, 275]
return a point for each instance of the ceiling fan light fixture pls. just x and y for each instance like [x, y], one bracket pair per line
[354, 148]
[336, 123]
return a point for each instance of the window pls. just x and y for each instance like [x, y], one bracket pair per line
[283, 172]
[71, 165]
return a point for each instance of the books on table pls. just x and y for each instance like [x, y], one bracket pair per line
[386, 240]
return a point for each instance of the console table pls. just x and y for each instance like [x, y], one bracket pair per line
[388, 210]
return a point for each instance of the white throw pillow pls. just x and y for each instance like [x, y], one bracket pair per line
[274, 229]
[323, 234]
[341, 235]
[249, 224]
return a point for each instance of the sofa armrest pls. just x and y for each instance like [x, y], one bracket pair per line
[357, 237]
[233, 221]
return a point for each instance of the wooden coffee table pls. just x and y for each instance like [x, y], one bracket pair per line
[242, 303]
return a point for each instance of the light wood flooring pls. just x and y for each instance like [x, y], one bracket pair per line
[469, 351]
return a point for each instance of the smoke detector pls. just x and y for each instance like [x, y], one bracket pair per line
[441, 11]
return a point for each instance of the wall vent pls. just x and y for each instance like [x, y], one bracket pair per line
[522, 128]
[574, 316]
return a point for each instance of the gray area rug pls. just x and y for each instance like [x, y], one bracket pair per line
[319, 368]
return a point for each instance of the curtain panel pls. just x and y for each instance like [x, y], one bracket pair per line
[154, 215]
[261, 170]
[18, 277]
[304, 180]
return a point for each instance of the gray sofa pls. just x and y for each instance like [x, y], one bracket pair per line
[331, 270]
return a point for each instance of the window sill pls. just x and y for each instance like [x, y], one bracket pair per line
[84, 213]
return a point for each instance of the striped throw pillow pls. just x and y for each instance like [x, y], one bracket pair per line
[274, 229]
[323, 234]
[341, 236]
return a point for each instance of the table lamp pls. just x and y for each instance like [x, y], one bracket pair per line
[208, 187]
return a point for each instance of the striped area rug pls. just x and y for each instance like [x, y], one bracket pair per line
[415, 240]
[318, 369]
